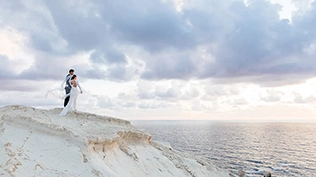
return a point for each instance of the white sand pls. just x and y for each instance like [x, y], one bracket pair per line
[36, 142]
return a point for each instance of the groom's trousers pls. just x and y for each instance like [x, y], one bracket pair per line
[67, 89]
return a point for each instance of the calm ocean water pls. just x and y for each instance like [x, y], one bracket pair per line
[284, 149]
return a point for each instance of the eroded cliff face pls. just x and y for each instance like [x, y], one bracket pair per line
[36, 142]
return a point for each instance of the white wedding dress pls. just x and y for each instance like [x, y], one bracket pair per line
[71, 106]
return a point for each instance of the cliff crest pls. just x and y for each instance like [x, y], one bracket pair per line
[37, 142]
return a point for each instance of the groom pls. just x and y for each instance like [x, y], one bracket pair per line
[68, 86]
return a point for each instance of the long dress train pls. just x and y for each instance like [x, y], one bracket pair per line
[72, 100]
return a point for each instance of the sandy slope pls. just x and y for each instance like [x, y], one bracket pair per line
[36, 142]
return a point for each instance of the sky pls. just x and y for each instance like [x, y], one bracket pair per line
[163, 59]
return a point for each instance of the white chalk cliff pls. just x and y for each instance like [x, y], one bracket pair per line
[37, 142]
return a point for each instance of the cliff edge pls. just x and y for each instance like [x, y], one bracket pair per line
[37, 142]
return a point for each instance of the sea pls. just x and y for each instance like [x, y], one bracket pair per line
[286, 149]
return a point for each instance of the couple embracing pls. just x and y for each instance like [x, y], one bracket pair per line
[71, 87]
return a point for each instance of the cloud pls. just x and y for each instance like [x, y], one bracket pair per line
[123, 73]
[173, 91]
[112, 56]
[169, 67]
[197, 56]
[213, 92]
[247, 41]
[106, 102]
[240, 101]
[35, 22]
[298, 98]
[78, 23]
[259, 44]
[272, 96]
[153, 25]
[5, 68]
[19, 85]
[160, 92]
[153, 105]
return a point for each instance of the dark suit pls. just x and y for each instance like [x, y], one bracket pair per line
[67, 89]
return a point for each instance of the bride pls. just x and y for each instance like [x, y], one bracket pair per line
[73, 96]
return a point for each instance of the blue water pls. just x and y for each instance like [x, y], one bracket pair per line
[284, 149]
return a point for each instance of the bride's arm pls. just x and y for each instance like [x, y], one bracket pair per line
[79, 86]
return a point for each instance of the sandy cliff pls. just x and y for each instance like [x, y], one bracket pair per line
[36, 142]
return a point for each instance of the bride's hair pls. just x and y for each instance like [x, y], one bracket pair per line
[74, 76]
